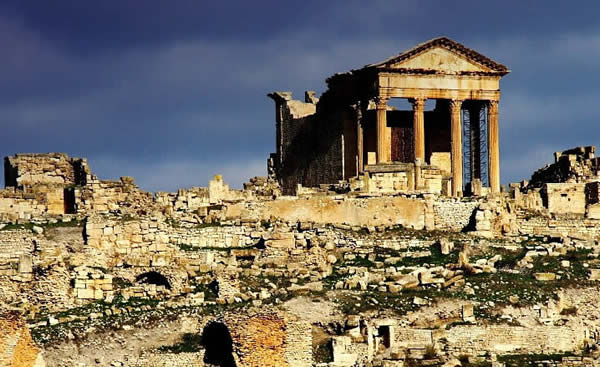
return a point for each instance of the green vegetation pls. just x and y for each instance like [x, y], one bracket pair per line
[322, 353]
[98, 307]
[208, 224]
[29, 225]
[352, 302]
[465, 361]
[430, 352]
[187, 247]
[121, 283]
[522, 360]
[435, 258]
[189, 343]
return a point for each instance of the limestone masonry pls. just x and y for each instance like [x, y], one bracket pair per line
[380, 238]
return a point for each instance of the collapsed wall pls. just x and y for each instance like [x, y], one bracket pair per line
[573, 165]
[25, 170]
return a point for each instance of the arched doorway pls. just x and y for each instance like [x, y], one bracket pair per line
[218, 345]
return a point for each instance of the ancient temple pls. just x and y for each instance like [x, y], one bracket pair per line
[352, 132]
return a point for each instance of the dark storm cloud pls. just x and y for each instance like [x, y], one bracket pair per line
[174, 92]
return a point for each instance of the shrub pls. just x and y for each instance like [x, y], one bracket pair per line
[430, 352]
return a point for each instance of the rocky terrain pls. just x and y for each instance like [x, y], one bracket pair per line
[100, 273]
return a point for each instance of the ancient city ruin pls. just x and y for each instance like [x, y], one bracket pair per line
[351, 132]
[380, 238]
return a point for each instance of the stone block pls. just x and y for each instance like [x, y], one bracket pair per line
[467, 313]
[544, 276]
[593, 211]
[25, 264]
[85, 293]
[594, 274]
[446, 246]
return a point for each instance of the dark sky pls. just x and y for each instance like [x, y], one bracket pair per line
[173, 92]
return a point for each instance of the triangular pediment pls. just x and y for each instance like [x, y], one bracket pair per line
[440, 59]
[445, 56]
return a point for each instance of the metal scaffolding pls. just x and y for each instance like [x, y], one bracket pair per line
[475, 137]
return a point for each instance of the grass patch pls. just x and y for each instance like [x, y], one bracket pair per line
[465, 361]
[121, 283]
[190, 343]
[29, 225]
[519, 360]
[323, 353]
[191, 248]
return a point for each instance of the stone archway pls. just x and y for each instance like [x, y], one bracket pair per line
[153, 277]
[218, 345]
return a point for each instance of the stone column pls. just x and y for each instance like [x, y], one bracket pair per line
[419, 128]
[456, 142]
[384, 133]
[493, 147]
[359, 139]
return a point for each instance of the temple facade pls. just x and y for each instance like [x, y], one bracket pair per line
[353, 134]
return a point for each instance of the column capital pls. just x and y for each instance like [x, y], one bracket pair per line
[455, 103]
[418, 103]
[493, 106]
[381, 103]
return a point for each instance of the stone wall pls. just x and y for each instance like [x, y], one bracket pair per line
[16, 249]
[454, 214]
[103, 196]
[373, 211]
[309, 146]
[586, 228]
[271, 340]
[44, 169]
[573, 165]
[92, 284]
[17, 205]
[504, 339]
[565, 198]
[404, 178]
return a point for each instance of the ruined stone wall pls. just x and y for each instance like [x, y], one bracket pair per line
[35, 203]
[15, 247]
[565, 198]
[573, 165]
[341, 210]
[270, 340]
[404, 179]
[454, 214]
[585, 228]
[102, 196]
[44, 169]
[310, 145]
[185, 200]
[510, 339]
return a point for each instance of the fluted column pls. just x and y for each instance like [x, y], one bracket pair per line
[384, 133]
[456, 142]
[419, 128]
[493, 147]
